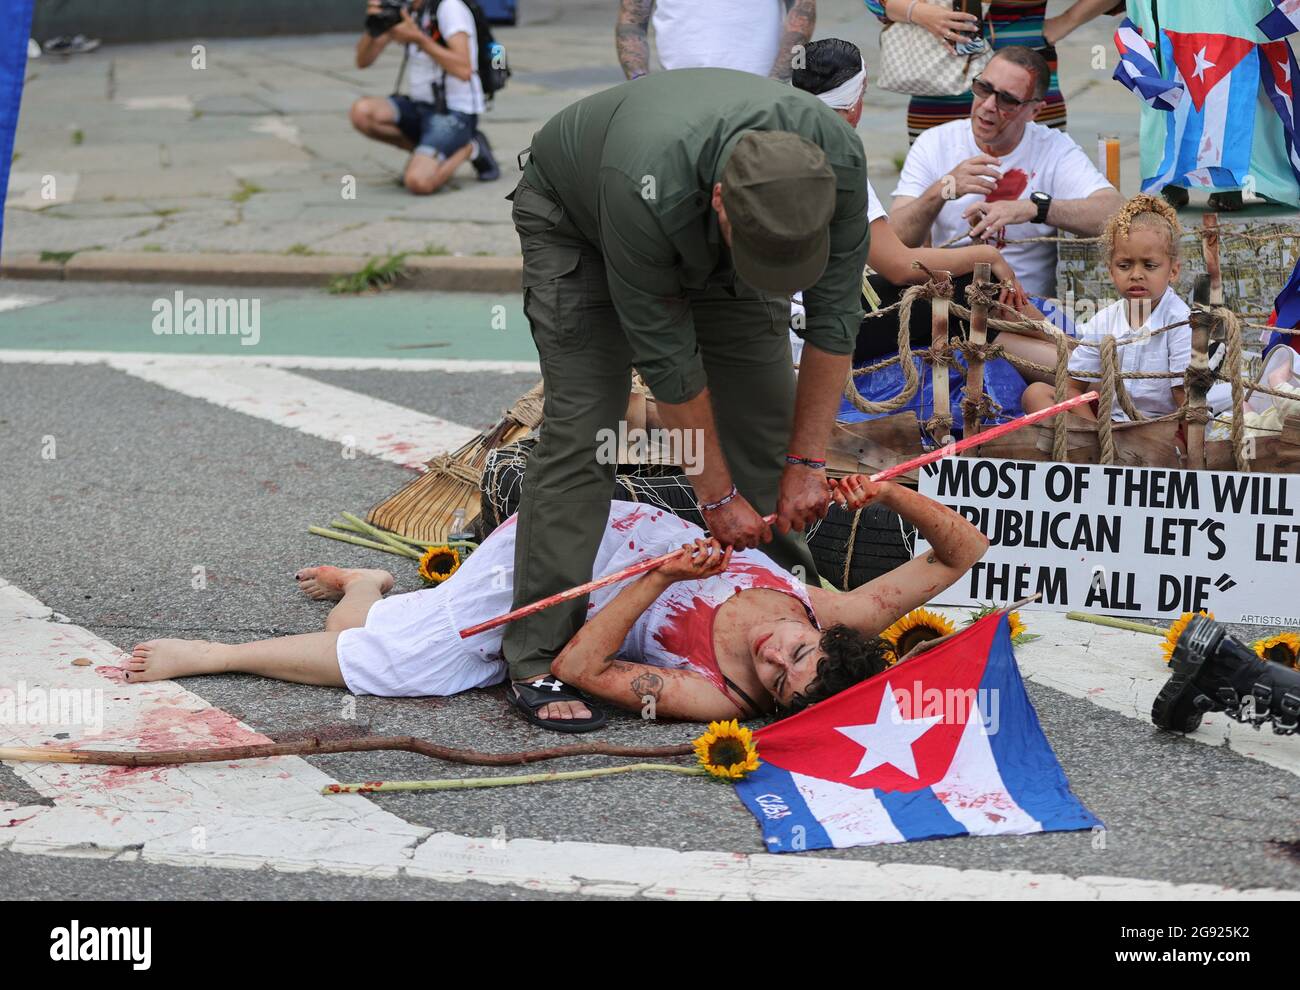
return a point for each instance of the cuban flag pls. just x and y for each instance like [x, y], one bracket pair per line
[1277, 71]
[15, 30]
[1286, 312]
[1221, 76]
[1282, 21]
[946, 743]
[1139, 72]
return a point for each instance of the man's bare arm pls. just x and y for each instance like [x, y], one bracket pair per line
[1085, 217]
[817, 399]
[800, 20]
[713, 478]
[368, 49]
[913, 216]
[630, 37]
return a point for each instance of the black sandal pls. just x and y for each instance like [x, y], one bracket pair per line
[531, 696]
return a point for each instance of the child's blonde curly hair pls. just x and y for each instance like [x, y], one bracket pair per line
[1143, 210]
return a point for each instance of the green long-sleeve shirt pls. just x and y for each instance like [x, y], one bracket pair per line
[634, 168]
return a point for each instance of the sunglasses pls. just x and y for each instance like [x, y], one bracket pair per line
[1006, 102]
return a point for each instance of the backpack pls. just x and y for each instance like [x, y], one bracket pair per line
[493, 66]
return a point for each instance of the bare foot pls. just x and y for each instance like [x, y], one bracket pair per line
[330, 583]
[163, 659]
[560, 709]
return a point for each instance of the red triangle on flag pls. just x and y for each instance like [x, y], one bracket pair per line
[905, 741]
[1204, 60]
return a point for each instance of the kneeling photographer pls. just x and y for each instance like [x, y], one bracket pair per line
[438, 121]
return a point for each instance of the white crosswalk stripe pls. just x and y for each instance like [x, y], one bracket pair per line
[267, 390]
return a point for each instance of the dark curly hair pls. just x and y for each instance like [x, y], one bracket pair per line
[850, 659]
[828, 62]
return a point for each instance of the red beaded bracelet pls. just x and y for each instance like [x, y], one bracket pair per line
[710, 506]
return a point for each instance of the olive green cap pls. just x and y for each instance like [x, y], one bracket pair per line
[779, 194]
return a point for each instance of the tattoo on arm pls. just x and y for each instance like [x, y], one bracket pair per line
[630, 36]
[647, 684]
[800, 21]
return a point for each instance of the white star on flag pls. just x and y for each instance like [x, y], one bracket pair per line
[1286, 70]
[1202, 63]
[889, 739]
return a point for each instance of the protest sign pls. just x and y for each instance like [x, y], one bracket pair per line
[1148, 542]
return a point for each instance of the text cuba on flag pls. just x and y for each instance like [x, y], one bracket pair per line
[946, 743]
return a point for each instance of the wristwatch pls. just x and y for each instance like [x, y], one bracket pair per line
[1043, 202]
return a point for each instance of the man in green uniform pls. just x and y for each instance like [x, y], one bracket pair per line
[664, 224]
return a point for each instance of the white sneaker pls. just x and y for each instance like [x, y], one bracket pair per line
[33, 48]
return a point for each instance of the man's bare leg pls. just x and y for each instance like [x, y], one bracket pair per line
[425, 175]
[375, 117]
[307, 659]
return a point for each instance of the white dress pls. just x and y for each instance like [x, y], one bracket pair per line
[411, 646]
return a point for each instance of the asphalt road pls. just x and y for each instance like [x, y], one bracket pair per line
[149, 483]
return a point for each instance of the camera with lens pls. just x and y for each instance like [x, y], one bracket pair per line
[390, 13]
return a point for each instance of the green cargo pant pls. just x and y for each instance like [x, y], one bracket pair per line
[586, 369]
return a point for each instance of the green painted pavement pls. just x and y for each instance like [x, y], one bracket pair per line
[399, 324]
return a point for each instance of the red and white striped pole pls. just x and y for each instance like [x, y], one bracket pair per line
[650, 563]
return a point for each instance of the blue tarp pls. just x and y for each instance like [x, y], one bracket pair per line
[15, 30]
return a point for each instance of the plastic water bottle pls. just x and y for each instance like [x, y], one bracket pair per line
[458, 530]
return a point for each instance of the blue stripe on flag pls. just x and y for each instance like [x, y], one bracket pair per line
[919, 814]
[15, 30]
[1276, 24]
[1029, 769]
[772, 796]
[1186, 127]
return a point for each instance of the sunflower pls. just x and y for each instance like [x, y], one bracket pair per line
[439, 563]
[1019, 631]
[727, 750]
[914, 628]
[1176, 630]
[1284, 648]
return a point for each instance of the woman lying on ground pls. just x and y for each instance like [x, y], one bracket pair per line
[707, 635]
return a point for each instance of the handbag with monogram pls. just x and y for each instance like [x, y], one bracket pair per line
[914, 61]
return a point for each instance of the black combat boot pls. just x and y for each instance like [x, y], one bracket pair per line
[1212, 672]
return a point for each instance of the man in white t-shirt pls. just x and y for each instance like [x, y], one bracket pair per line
[1001, 178]
[438, 121]
[756, 36]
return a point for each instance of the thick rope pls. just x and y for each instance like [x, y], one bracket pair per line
[911, 379]
[1111, 380]
[1060, 428]
[1106, 404]
[848, 552]
[446, 465]
[1227, 319]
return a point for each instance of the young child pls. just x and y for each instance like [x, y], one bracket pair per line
[1141, 245]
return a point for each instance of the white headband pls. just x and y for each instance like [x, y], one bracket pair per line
[843, 96]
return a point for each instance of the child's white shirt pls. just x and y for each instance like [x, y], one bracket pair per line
[1168, 351]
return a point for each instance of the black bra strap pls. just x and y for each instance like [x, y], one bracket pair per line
[744, 697]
